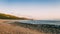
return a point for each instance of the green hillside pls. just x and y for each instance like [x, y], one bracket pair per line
[7, 16]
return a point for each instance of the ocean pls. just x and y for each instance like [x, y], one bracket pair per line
[50, 22]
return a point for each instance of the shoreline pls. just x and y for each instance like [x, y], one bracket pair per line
[40, 28]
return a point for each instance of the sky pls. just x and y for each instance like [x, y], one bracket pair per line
[36, 9]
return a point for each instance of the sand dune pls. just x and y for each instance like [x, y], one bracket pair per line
[10, 29]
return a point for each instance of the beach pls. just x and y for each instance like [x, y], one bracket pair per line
[10, 29]
[26, 28]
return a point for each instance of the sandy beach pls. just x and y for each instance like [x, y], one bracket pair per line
[24, 28]
[10, 29]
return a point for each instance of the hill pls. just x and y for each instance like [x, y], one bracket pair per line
[7, 16]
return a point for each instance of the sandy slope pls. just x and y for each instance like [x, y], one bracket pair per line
[9, 29]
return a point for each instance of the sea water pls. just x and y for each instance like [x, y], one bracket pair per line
[51, 22]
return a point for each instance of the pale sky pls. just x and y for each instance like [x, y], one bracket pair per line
[38, 9]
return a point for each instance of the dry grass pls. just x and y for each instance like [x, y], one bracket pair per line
[9, 29]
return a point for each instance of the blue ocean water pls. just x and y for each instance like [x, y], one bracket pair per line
[51, 22]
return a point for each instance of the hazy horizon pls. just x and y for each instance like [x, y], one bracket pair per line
[37, 9]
